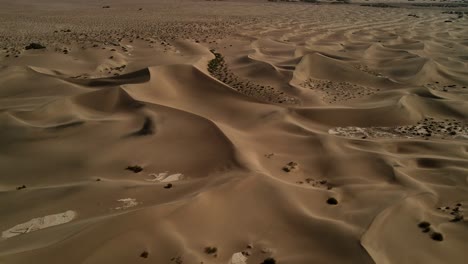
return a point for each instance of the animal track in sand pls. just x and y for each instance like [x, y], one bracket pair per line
[427, 128]
[218, 69]
[333, 92]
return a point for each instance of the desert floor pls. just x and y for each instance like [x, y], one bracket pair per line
[232, 132]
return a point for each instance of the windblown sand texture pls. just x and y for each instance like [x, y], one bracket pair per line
[232, 132]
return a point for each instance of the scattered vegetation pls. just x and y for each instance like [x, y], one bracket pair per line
[290, 166]
[269, 261]
[177, 260]
[332, 201]
[305, 1]
[427, 128]
[34, 46]
[381, 5]
[217, 68]
[455, 211]
[437, 236]
[342, 2]
[135, 169]
[424, 224]
[317, 183]
[333, 92]
[211, 250]
[426, 228]
[215, 64]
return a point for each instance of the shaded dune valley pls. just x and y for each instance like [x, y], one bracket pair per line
[233, 132]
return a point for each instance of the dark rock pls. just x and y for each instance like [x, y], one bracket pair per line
[144, 254]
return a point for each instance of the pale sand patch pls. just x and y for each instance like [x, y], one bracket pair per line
[238, 258]
[127, 203]
[39, 223]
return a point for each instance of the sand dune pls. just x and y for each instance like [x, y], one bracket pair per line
[233, 132]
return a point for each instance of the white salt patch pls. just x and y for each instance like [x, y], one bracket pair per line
[39, 223]
[165, 177]
[238, 258]
[127, 203]
[157, 177]
[173, 177]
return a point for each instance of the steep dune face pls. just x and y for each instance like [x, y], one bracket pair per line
[233, 132]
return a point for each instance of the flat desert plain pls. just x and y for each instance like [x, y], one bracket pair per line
[239, 132]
